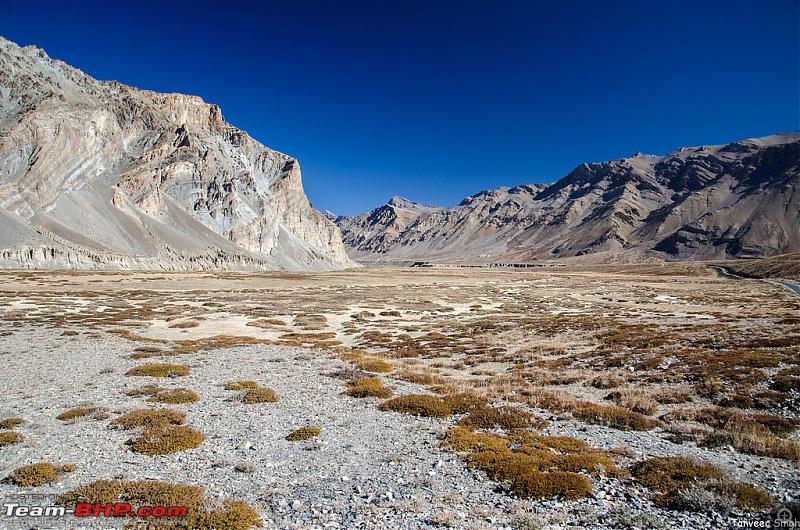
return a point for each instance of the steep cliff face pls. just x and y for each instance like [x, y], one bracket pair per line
[707, 202]
[96, 174]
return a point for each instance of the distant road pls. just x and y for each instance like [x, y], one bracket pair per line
[792, 286]
[786, 283]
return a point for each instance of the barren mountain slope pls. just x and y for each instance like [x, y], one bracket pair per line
[96, 174]
[707, 202]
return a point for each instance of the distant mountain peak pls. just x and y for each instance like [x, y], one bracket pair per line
[705, 202]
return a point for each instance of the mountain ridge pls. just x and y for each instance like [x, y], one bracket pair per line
[97, 174]
[706, 202]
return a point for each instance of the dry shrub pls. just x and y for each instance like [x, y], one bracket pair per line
[539, 485]
[148, 418]
[176, 396]
[462, 402]
[11, 423]
[461, 440]
[240, 385]
[674, 477]
[506, 418]
[146, 390]
[668, 475]
[159, 370]
[367, 387]
[166, 439]
[605, 381]
[202, 512]
[39, 474]
[303, 433]
[10, 437]
[755, 441]
[311, 322]
[374, 365]
[418, 405]
[260, 395]
[96, 413]
[634, 399]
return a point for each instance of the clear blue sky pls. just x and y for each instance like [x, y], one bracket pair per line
[435, 100]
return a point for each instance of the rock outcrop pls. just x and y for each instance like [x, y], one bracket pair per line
[710, 202]
[96, 174]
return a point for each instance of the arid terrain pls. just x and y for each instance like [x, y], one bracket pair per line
[540, 398]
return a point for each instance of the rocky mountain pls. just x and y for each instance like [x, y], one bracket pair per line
[96, 174]
[709, 202]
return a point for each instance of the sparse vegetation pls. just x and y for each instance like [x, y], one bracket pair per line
[176, 396]
[148, 418]
[159, 370]
[10, 437]
[367, 387]
[506, 418]
[11, 423]
[673, 477]
[166, 439]
[260, 395]
[202, 512]
[240, 385]
[303, 433]
[95, 413]
[39, 474]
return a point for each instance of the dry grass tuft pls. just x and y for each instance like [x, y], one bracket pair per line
[10, 437]
[148, 418]
[240, 385]
[159, 370]
[507, 418]
[202, 512]
[96, 413]
[39, 474]
[367, 387]
[11, 423]
[673, 476]
[176, 396]
[303, 433]
[166, 439]
[260, 395]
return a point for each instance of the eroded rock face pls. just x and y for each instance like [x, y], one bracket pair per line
[96, 174]
[709, 202]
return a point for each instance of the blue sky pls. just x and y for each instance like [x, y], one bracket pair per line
[436, 100]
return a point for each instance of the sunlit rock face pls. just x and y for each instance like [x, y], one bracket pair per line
[96, 174]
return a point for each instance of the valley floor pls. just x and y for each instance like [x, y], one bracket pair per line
[637, 361]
